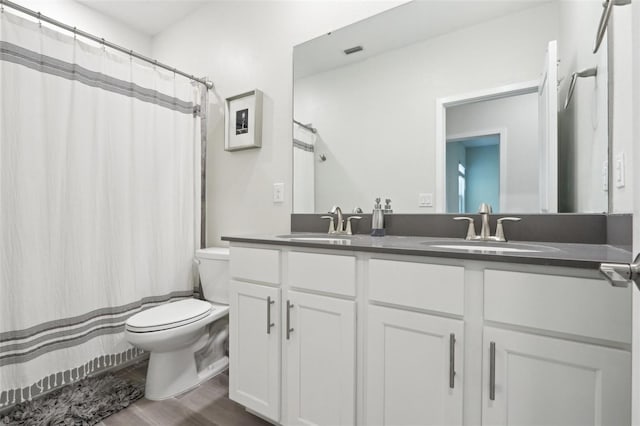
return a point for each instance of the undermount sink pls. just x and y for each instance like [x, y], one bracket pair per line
[330, 239]
[490, 246]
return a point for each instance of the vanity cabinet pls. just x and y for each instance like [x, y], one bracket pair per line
[255, 330]
[320, 360]
[536, 380]
[334, 337]
[414, 368]
[254, 348]
[292, 349]
[414, 355]
[320, 345]
[562, 364]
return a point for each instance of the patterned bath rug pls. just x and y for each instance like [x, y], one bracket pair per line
[85, 402]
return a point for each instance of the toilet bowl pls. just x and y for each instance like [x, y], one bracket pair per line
[176, 333]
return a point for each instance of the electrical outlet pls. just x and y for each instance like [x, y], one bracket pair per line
[278, 192]
[425, 200]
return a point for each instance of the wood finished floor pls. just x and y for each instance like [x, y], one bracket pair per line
[207, 405]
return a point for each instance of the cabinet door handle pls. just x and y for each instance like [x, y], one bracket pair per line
[269, 323]
[452, 360]
[492, 371]
[289, 328]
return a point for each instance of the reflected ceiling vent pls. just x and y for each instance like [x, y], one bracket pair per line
[353, 49]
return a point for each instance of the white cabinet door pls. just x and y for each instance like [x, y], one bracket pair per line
[254, 347]
[545, 381]
[320, 360]
[410, 361]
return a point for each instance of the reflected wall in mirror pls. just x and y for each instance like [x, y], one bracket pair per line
[370, 119]
[496, 142]
[476, 154]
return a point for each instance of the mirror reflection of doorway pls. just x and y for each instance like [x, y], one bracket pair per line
[473, 173]
[513, 113]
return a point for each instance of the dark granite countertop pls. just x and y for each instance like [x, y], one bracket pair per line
[587, 256]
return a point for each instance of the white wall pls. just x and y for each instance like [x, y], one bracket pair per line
[620, 41]
[376, 118]
[518, 115]
[243, 45]
[75, 14]
[634, 175]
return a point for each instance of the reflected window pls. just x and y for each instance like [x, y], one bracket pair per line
[461, 187]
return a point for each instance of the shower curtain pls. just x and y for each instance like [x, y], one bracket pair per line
[98, 210]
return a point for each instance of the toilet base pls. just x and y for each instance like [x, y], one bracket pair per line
[172, 373]
[214, 369]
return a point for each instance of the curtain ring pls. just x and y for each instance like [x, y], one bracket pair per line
[39, 21]
[75, 33]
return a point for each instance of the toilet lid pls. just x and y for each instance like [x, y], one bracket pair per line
[216, 253]
[169, 315]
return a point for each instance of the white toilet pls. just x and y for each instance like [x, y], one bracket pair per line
[186, 338]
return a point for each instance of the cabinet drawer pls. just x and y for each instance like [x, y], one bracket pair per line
[323, 272]
[254, 264]
[417, 285]
[581, 306]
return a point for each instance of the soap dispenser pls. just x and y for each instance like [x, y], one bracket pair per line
[377, 220]
[387, 206]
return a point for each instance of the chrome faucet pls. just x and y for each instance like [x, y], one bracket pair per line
[339, 221]
[338, 227]
[500, 230]
[485, 231]
[484, 211]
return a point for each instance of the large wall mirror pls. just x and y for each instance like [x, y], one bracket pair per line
[439, 105]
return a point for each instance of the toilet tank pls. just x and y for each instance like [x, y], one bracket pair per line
[213, 265]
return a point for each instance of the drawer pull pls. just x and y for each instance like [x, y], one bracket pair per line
[452, 360]
[492, 371]
[289, 328]
[269, 323]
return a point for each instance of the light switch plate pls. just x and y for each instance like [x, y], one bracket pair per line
[278, 192]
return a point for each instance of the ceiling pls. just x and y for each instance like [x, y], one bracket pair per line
[146, 16]
[408, 23]
[417, 20]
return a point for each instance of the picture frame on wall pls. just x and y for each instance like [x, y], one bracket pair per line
[243, 121]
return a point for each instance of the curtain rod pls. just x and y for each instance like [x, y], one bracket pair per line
[306, 126]
[207, 83]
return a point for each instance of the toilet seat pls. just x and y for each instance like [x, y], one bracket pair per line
[169, 315]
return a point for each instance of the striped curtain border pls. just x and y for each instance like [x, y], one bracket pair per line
[11, 397]
[10, 52]
[24, 345]
[297, 143]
